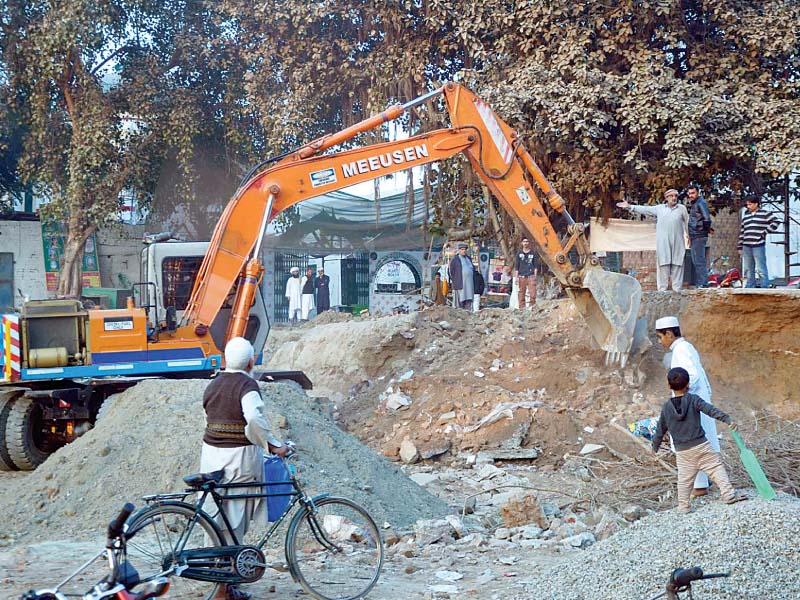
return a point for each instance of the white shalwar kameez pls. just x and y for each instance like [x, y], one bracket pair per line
[671, 232]
[294, 293]
[685, 355]
[243, 464]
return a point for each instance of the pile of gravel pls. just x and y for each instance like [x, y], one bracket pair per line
[756, 541]
[150, 436]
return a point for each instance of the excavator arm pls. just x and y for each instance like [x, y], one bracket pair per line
[608, 301]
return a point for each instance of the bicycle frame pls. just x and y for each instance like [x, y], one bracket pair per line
[297, 494]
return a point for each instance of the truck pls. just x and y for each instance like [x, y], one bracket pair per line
[61, 361]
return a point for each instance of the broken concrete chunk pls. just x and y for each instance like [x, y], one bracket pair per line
[433, 449]
[397, 401]
[523, 509]
[408, 452]
[449, 575]
[581, 540]
[590, 448]
[447, 416]
[430, 531]
[632, 512]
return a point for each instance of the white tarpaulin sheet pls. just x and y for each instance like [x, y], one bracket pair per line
[622, 235]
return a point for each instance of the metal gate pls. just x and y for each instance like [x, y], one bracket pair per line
[6, 280]
[355, 280]
[283, 263]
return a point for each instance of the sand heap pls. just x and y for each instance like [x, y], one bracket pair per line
[150, 437]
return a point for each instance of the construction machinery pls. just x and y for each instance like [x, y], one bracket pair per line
[153, 339]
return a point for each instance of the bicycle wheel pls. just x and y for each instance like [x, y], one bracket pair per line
[336, 551]
[153, 549]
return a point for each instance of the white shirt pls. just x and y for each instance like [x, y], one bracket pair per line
[685, 356]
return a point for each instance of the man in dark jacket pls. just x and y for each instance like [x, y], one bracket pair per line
[699, 226]
[323, 285]
[680, 416]
[461, 278]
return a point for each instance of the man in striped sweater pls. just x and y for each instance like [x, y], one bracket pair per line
[756, 224]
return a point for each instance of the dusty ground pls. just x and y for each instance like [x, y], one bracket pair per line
[479, 409]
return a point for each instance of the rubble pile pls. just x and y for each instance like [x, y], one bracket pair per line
[150, 437]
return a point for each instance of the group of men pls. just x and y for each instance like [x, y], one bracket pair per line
[468, 283]
[301, 292]
[674, 223]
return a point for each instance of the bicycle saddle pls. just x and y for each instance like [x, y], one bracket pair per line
[200, 479]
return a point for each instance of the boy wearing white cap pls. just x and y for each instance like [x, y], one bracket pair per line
[234, 440]
[685, 355]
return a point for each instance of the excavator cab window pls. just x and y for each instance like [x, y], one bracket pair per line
[177, 275]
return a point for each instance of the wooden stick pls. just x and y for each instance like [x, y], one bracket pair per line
[642, 443]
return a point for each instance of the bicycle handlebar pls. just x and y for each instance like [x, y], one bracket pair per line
[683, 577]
[115, 527]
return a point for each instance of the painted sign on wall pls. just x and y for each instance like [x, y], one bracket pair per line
[54, 238]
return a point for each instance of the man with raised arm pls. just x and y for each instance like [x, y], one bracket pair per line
[235, 438]
[671, 230]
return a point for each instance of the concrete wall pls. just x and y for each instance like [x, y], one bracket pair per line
[24, 240]
[119, 253]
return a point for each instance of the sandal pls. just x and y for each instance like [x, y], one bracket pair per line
[737, 498]
[232, 592]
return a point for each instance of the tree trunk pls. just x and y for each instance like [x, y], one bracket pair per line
[70, 279]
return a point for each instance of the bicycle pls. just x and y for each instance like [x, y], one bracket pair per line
[333, 547]
[681, 581]
[122, 578]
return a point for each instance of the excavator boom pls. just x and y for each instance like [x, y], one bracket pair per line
[608, 301]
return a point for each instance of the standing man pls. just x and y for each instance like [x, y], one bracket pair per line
[294, 293]
[699, 227]
[685, 355]
[461, 278]
[307, 285]
[526, 268]
[235, 438]
[756, 224]
[479, 286]
[671, 231]
[323, 285]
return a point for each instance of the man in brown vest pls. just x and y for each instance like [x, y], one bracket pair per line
[235, 438]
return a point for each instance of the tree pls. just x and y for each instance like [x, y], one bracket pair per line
[106, 90]
[614, 99]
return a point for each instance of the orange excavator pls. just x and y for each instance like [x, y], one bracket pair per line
[60, 361]
[608, 301]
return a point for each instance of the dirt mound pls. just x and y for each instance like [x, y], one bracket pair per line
[150, 437]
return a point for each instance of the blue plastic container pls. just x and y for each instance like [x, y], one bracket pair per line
[276, 476]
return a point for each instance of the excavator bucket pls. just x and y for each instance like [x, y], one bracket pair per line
[610, 304]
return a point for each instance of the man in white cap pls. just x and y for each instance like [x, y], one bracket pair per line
[294, 293]
[461, 278]
[685, 355]
[235, 438]
[672, 221]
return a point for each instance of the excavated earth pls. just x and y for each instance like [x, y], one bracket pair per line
[423, 416]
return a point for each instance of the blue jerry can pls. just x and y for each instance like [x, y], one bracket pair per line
[276, 476]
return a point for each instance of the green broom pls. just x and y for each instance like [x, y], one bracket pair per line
[754, 469]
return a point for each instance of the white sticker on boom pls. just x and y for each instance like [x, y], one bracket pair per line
[324, 177]
[499, 138]
[524, 197]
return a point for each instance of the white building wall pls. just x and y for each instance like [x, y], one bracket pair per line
[24, 240]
